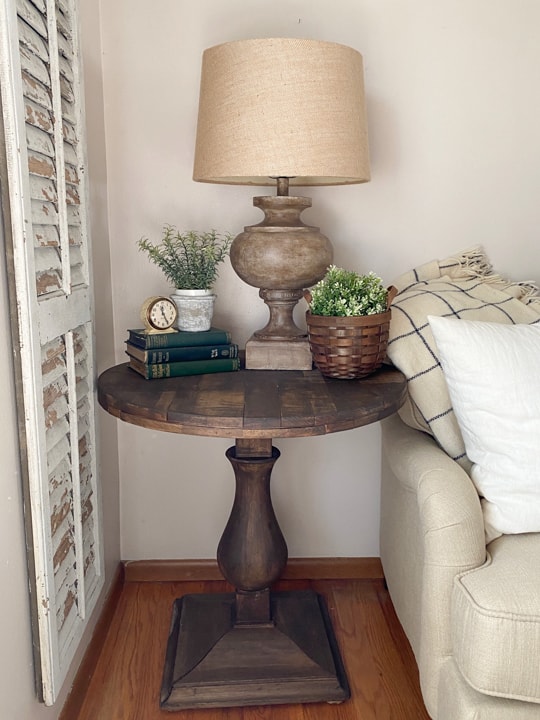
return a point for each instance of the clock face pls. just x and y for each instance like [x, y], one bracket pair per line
[159, 313]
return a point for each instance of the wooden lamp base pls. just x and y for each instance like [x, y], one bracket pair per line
[278, 354]
[282, 256]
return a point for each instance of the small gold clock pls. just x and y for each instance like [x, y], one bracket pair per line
[159, 313]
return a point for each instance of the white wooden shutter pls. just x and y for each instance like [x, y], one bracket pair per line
[45, 159]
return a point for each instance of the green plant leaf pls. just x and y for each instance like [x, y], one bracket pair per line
[188, 260]
[345, 293]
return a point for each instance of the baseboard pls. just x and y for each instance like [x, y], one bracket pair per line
[357, 568]
[75, 699]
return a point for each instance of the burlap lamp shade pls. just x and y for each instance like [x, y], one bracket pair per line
[282, 108]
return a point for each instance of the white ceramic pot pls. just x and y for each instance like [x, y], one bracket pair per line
[195, 309]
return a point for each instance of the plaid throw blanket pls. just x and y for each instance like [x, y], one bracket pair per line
[464, 287]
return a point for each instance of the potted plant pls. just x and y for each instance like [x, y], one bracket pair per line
[348, 323]
[190, 261]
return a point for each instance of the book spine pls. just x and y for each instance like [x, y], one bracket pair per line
[191, 367]
[181, 338]
[204, 352]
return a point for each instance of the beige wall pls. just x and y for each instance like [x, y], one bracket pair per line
[18, 697]
[453, 105]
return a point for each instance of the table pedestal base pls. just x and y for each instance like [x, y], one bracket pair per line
[212, 661]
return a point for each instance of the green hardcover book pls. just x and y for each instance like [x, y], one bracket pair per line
[189, 367]
[175, 354]
[178, 338]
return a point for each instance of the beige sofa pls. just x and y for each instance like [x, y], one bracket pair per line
[471, 612]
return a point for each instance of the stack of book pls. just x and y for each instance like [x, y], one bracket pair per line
[160, 355]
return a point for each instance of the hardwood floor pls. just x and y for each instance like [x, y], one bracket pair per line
[378, 659]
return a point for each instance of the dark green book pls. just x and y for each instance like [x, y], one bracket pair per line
[175, 354]
[179, 338]
[189, 367]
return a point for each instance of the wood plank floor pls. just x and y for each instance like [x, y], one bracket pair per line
[378, 659]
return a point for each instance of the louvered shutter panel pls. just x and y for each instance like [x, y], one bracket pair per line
[41, 103]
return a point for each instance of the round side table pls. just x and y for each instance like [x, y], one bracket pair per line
[253, 646]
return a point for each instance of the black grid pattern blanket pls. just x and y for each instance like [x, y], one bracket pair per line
[463, 287]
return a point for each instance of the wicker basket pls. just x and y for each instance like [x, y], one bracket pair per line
[349, 347]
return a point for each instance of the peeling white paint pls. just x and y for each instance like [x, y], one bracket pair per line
[39, 62]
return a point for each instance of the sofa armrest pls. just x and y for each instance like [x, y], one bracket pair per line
[449, 511]
[431, 530]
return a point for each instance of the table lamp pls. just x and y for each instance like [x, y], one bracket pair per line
[281, 112]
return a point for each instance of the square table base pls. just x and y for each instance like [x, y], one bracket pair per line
[211, 662]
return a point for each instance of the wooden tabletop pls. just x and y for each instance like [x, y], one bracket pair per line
[251, 403]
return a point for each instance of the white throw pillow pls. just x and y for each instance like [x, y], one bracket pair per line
[493, 377]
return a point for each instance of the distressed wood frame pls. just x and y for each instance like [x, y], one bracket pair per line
[52, 325]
